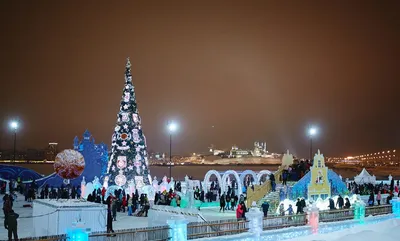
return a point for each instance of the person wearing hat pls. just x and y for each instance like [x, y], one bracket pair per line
[11, 223]
[265, 207]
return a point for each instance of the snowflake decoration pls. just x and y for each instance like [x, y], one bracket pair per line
[126, 106]
[113, 168]
[124, 143]
[130, 168]
[126, 126]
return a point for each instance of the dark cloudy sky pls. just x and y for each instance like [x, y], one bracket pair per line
[255, 70]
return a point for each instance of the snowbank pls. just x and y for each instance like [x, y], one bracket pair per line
[386, 230]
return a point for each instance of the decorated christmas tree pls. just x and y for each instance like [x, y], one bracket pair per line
[128, 161]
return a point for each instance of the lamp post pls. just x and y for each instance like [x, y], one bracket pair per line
[311, 132]
[14, 126]
[172, 127]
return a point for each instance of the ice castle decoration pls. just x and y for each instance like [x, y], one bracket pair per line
[318, 182]
[95, 155]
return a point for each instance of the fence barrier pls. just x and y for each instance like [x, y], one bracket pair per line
[336, 215]
[216, 228]
[378, 210]
[276, 222]
[140, 234]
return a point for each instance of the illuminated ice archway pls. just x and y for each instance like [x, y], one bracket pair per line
[262, 173]
[207, 179]
[248, 172]
[225, 177]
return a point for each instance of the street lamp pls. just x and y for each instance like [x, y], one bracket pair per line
[311, 133]
[172, 127]
[14, 126]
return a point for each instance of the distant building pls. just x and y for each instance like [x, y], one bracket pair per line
[236, 152]
[260, 149]
[51, 151]
[48, 154]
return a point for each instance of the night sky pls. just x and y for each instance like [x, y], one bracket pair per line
[253, 70]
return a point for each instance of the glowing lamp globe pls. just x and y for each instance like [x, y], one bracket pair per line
[172, 127]
[312, 131]
[14, 125]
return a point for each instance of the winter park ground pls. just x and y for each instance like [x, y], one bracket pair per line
[25, 221]
[375, 228]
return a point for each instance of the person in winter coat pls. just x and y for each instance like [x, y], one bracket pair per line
[331, 204]
[290, 210]
[379, 197]
[130, 207]
[272, 179]
[371, 199]
[146, 206]
[114, 208]
[124, 203]
[340, 202]
[347, 203]
[281, 210]
[11, 223]
[265, 207]
[303, 205]
[299, 206]
[222, 203]
[239, 212]
[244, 209]
[109, 214]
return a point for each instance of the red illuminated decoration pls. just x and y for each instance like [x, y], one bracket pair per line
[69, 164]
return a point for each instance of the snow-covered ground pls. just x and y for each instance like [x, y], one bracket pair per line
[25, 221]
[386, 230]
[375, 228]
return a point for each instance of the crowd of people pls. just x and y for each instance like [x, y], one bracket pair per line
[120, 202]
[139, 205]
[376, 191]
[295, 171]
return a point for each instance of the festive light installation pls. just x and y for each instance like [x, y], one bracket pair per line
[396, 207]
[313, 218]
[77, 235]
[128, 159]
[178, 229]
[69, 164]
[359, 212]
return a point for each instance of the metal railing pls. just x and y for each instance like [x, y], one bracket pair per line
[336, 215]
[46, 238]
[216, 228]
[139, 234]
[276, 222]
[378, 210]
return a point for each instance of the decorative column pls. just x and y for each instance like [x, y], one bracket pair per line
[396, 207]
[255, 217]
[83, 187]
[359, 211]
[313, 217]
[78, 231]
[178, 228]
